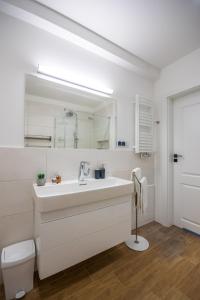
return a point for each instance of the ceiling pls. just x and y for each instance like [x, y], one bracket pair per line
[157, 31]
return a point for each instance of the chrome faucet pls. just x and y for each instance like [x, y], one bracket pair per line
[84, 171]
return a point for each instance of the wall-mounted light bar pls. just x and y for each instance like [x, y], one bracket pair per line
[60, 78]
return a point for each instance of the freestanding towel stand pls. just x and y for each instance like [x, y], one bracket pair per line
[137, 242]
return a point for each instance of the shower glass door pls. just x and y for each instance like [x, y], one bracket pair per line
[82, 130]
[65, 133]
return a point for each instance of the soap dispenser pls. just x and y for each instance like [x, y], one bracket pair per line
[102, 172]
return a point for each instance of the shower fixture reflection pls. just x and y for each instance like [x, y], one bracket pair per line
[73, 114]
[80, 129]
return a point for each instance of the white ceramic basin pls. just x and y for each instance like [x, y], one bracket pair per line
[53, 197]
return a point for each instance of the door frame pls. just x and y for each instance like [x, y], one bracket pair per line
[164, 212]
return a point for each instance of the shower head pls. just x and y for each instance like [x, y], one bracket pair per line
[69, 113]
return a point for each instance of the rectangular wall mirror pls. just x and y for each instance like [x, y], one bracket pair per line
[57, 116]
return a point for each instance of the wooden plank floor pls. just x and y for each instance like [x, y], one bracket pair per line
[169, 270]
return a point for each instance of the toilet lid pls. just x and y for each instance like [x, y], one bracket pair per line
[17, 253]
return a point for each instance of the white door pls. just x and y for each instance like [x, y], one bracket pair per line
[187, 169]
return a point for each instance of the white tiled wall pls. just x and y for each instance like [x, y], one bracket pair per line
[21, 163]
[19, 166]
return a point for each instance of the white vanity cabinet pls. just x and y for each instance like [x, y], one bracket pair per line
[64, 242]
[67, 236]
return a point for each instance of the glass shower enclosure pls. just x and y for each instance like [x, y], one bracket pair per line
[79, 129]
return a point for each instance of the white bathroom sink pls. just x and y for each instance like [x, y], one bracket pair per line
[53, 197]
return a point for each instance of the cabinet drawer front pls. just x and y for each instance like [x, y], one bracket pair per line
[68, 254]
[72, 228]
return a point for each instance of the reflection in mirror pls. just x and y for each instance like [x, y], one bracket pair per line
[57, 116]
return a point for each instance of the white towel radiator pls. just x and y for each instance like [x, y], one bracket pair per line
[143, 125]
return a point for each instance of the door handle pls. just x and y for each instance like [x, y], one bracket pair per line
[176, 156]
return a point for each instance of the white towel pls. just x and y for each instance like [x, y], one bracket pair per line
[136, 172]
[144, 194]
